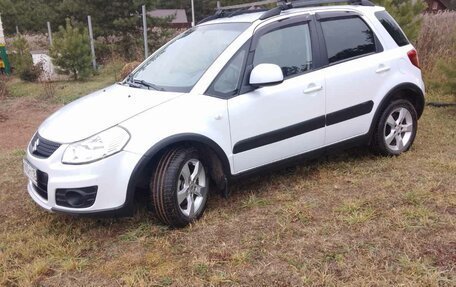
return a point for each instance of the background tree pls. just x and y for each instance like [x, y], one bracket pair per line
[29, 15]
[407, 13]
[118, 18]
[22, 61]
[71, 51]
[121, 19]
[21, 58]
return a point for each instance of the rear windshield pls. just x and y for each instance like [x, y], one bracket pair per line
[392, 27]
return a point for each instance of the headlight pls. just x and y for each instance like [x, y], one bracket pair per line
[96, 147]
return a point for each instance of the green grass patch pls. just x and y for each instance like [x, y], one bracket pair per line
[63, 92]
[254, 201]
[356, 212]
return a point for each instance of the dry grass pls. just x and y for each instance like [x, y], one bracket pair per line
[63, 92]
[437, 39]
[350, 219]
[3, 88]
[436, 46]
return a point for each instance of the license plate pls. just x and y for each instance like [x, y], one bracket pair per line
[30, 171]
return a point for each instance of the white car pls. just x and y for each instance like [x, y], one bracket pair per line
[241, 92]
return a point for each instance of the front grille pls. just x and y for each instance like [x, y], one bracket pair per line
[42, 147]
[41, 184]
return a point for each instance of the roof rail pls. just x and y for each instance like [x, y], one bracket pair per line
[309, 3]
[285, 5]
[281, 6]
[249, 5]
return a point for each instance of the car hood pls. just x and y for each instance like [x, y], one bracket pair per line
[99, 111]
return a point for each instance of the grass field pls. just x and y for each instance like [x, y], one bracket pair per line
[64, 92]
[350, 219]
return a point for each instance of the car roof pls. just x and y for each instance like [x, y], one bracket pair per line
[252, 17]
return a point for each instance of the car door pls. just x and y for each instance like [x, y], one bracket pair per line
[355, 70]
[272, 123]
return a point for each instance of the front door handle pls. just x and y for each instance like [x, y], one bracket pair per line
[382, 68]
[312, 88]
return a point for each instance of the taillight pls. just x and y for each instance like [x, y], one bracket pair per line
[413, 56]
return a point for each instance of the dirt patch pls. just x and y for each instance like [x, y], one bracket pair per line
[443, 253]
[19, 119]
[3, 118]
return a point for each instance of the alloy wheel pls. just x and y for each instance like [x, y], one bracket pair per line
[398, 129]
[192, 188]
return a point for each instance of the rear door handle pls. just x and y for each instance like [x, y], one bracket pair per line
[382, 68]
[312, 88]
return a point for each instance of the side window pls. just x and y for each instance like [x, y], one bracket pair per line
[288, 47]
[228, 81]
[347, 38]
[392, 27]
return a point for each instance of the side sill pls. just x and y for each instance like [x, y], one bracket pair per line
[353, 142]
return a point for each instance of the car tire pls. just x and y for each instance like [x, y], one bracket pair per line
[179, 187]
[396, 129]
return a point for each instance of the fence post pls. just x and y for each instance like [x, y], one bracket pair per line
[50, 33]
[92, 46]
[218, 5]
[146, 45]
[193, 13]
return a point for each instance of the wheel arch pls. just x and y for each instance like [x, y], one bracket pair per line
[219, 166]
[408, 91]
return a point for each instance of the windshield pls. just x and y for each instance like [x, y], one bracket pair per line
[179, 65]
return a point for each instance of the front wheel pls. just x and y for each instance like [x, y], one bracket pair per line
[179, 187]
[396, 129]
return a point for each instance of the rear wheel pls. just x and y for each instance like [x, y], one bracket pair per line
[396, 129]
[180, 187]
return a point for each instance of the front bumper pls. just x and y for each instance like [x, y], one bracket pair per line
[111, 176]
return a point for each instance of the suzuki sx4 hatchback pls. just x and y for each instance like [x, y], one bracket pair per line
[240, 92]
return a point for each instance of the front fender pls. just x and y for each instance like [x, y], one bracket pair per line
[196, 118]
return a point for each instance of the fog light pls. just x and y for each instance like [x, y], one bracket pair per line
[76, 197]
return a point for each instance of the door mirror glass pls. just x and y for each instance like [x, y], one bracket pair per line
[266, 75]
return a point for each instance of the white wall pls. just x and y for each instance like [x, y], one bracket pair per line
[48, 67]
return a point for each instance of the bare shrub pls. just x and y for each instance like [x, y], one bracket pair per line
[128, 68]
[437, 39]
[31, 73]
[48, 90]
[3, 88]
[3, 95]
[36, 41]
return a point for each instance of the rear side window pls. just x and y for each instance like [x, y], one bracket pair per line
[347, 38]
[392, 27]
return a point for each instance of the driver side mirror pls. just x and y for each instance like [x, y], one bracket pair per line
[266, 75]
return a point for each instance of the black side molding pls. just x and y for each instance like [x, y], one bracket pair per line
[349, 113]
[279, 135]
[303, 127]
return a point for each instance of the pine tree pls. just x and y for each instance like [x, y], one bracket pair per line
[407, 13]
[71, 51]
[29, 15]
[21, 59]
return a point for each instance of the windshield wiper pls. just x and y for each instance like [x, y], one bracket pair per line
[135, 83]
